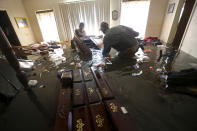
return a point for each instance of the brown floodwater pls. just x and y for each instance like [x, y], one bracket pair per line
[136, 83]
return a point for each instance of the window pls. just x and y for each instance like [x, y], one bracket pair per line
[47, 25]
[134, 14]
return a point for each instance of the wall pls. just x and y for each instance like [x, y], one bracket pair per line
[15, 8]
[189, 42]
[115, 5]
[171, 22]
[155, 18]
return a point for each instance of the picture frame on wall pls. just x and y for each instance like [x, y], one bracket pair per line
[114, 15]
[171, 8]
[21, 22]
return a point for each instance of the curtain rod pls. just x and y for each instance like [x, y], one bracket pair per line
[44, 11]
[75, 1]
[133, 0]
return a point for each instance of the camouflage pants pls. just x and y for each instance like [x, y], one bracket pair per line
[129, 52]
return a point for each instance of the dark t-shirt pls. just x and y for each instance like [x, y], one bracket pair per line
[119, 38]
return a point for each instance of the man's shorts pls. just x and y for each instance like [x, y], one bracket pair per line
[129, 52]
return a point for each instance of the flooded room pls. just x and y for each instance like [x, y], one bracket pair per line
[98, 65]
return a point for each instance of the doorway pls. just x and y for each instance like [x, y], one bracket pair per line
[8, 29]
[134, 14]
[47, 23]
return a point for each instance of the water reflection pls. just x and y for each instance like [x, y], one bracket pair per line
[97, 57]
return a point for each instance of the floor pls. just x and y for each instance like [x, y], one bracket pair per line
[150, 105]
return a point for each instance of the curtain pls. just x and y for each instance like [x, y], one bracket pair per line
[48, 26]
[135, 15]
[92, 13]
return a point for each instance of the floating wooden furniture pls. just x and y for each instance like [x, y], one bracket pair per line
[99, 118]
[104, 88]
[92, 93]
[118, 116]
[81, 120]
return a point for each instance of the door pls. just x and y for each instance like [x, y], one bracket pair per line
[8, 29]
[188, 7]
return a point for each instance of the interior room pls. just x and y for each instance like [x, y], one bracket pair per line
[98, 65]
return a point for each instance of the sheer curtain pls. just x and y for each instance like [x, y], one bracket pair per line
[134, 14]
[92, 13]
[47, 25]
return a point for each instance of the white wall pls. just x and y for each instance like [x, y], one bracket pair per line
[15, 8]
[171, 22]
[155, 18]
[189, 42]
[115, 5]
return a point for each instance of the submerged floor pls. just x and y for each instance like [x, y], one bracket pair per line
[150, 105]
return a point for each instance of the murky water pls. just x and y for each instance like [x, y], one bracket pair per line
[139, 84]
[135, 82]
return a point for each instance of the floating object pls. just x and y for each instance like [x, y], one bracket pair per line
[32, 83]
[147, 50]
[72, 63]
[26, 65]
[164, 77]
[70, 121]
[42, 86]
[100, 64]
[159, 46]
[137, 74]
[151, 68]
[78, 65]
[67, 79]
[136, 66]
[124, 111]
[159, 70]
[108, 60]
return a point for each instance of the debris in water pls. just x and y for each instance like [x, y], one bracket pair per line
[151, 68]
[70, 121]
[137, 74]
[42, 86]
[164, 77]
[78, 65]
[100, 64]
[72, 63]
[141, 57]
[108, 61]
[32, 83]
[159, 70]
[159, 46]
[166, 61]
[26, 65]
[124, 111]
[57, 57]
[147, 50]
[136, 66]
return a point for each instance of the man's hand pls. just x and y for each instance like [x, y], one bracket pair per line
[100, 36]
[101, 45]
